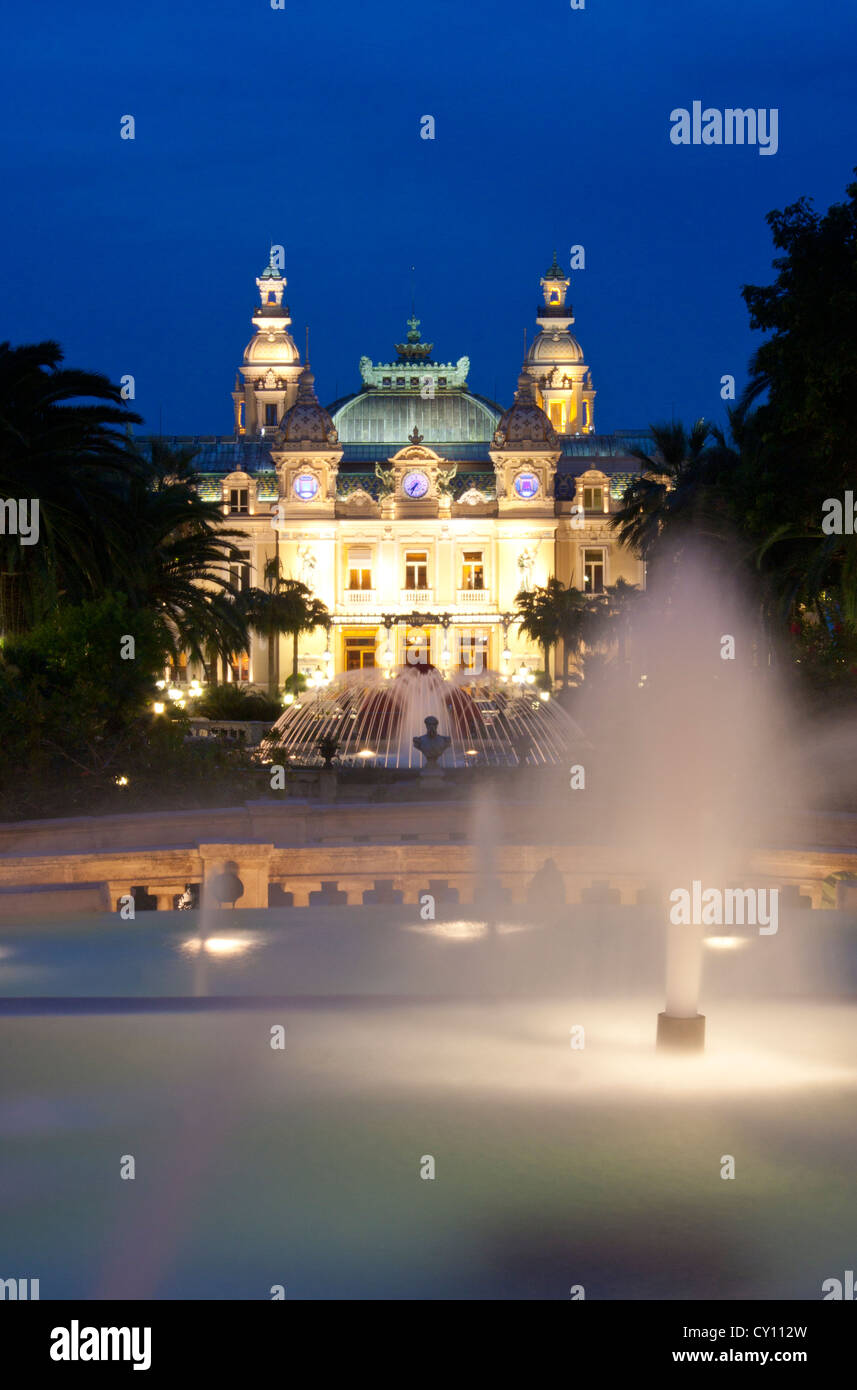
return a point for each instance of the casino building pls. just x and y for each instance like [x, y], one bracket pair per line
[415, 508]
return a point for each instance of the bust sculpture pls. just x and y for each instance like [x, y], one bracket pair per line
[432, 745]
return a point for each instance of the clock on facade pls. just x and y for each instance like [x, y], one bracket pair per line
[305, 486]
[526, 485]
[415, 484]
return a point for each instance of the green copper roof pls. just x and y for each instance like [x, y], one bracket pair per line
[555, 271]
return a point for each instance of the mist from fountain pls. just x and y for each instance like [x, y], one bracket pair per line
[688, 756]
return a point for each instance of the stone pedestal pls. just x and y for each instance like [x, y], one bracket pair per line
[681, 1034]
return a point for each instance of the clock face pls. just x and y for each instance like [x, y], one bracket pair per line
[305, 486]
[526, 485]
[415, 484]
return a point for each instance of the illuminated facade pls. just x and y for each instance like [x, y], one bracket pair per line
[415, 508]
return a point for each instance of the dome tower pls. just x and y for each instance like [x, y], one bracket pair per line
[271, 365]
[562, 381]
[525, 452]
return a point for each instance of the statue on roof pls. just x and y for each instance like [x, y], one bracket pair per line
[387, 478]
[443, 481]
[413, 349]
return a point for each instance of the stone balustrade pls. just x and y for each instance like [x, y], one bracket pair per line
[347, 872]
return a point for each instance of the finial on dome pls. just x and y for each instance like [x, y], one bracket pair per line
[525, 386]
[555, 270]
[413, 349]
[306, 386]
[271, 271]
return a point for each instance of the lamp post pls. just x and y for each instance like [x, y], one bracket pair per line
[388, 655]
[506, 619]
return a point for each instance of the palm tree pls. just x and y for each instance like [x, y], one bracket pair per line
[170, 553]
[552, 613]
[67, 453]
[666, 476]
[282, 606]
[612, 612]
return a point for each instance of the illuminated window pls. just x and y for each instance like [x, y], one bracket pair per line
[239, 501]
[593, 571]
[416, 569]
[359, 567]
[472, 573]
[239, 666]
[473, 650]
[178, 670]
[556, 414]
[417, 646]
[360, 652]
[241, 425]
[240, 571]
[593, 499]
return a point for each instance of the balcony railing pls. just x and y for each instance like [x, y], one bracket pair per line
[360, 598]
[474, 598]
[419, 597]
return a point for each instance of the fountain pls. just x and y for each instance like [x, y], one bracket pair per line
[531, 1023]
[373, 717]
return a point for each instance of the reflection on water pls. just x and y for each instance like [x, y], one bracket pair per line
[467, 931]
[220, 945]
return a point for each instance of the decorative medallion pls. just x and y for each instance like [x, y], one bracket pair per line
[305, 486]
[526, 485]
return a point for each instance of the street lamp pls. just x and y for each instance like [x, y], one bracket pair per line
[388, 655]
[506, 619]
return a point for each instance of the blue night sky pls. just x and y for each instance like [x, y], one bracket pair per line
[302, 127]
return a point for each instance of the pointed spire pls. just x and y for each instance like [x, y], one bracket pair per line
[555, 270]
[524, 394]
[271, 272]
[306, 387]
